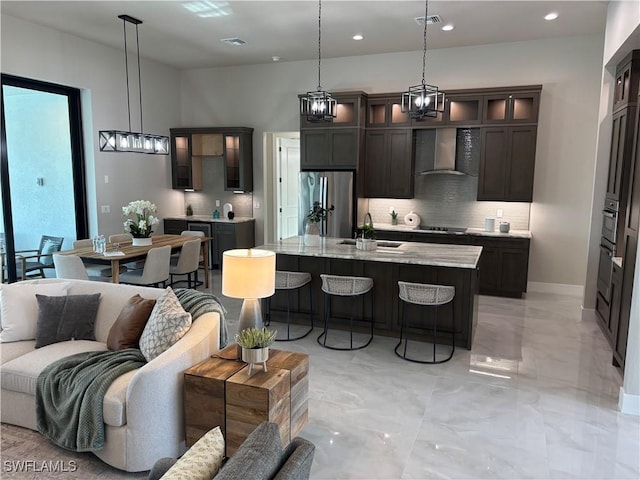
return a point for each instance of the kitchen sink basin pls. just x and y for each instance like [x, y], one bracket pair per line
[381, 243]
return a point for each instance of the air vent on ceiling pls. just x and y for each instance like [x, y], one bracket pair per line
[233, 41]
[431, 19]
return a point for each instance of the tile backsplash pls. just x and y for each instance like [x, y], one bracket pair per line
[203, 201]
[450, 201]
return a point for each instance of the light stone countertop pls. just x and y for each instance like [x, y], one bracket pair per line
[209, 219]
[415, 253]
[470, 231]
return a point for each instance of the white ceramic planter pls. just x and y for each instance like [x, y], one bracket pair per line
[141, 242]
[255, 355]
[366, 244]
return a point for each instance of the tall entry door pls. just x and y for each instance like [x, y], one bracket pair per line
[288, 167]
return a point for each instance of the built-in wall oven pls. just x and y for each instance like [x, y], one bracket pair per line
[610, 223]
[607, 251]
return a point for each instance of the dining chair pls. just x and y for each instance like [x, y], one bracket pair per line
[187, 263]
[37, 260]
[120, 237]
[71, 266]
[155, 271]
[194, 233]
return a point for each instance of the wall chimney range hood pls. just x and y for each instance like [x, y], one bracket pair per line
[440, 152]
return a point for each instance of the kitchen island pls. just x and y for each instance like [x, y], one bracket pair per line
[455, 265]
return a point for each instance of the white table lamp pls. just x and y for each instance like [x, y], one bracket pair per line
[249, 274]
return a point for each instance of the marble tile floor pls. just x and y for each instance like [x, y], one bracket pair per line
[536, 397]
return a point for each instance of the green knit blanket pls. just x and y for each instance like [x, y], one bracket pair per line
[197, 303]
[70, 393]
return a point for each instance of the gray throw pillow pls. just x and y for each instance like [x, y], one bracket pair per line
[258, 457]
[66, 317]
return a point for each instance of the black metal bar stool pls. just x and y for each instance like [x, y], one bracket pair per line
[290, 281]
[426, 295]
[346, 287]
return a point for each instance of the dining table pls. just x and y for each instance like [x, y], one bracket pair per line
[117, 253]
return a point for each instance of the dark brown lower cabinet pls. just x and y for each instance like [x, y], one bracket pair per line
[614, 307]
[386, 303]
[504, 264]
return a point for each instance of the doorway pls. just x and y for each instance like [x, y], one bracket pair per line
[287, 191]
[41, 168]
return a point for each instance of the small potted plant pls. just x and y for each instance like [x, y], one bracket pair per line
[255, 345]
[189, 210]
[394, 216]
[317, 214]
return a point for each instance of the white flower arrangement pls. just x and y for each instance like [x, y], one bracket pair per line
[141, 225]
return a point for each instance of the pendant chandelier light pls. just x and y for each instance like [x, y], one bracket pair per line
[318, 106]
[423, 100]
[138, 142]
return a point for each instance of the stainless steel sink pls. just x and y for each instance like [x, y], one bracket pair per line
[389, 244]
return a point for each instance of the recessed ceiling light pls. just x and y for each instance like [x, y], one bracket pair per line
[358, 36]
[551, 16]
[275, 58]
[448, 27]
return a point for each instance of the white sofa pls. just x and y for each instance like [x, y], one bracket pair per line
[143, 408]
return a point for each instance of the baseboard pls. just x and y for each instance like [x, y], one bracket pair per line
[560, 288]
[589, 314]
[629, 404]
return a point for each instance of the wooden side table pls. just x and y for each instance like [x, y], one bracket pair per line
[218, 391]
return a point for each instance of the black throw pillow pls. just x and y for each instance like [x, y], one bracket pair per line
[65, 317]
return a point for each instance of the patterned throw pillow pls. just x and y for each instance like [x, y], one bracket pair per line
[167, 324]
[202, 461]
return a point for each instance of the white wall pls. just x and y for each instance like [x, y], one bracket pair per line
[37, 52]
[265, 97]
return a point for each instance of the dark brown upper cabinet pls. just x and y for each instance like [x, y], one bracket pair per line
[388, 165]
[627, 81]
[238, 160]
[507, 161]
[331, 148]
[386, 111]
[186, 170]
[512, 107]
[464, 109]
[233, 146]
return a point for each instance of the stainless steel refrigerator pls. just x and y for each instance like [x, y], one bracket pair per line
[328, 188]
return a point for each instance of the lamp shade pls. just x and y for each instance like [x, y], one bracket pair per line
[248, 273]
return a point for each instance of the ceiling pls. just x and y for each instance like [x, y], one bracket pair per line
[174, 35]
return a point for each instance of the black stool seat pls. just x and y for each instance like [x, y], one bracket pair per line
[290, 281]
[426, 295]
[344, 286]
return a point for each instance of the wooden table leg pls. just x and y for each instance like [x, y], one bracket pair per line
[115, 270]
[205, 267]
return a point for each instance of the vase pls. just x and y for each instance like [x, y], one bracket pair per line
[312, 234]
[255, 355]
[141, 241]
[394, 221]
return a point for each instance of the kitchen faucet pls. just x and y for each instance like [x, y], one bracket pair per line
[364, 222]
